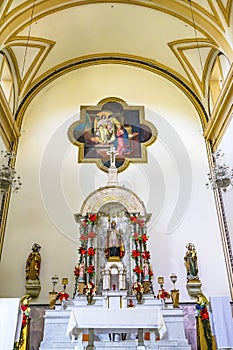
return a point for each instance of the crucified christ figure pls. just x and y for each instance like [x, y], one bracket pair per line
[112, 154]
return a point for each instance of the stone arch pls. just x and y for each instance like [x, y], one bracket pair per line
[111, 194]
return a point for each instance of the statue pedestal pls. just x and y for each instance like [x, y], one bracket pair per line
[33, 288]
[194, 287]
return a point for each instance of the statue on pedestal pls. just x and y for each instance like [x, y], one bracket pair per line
[32, 268]
[114, 244]
[193, 282]
[32, 271]
[191, 262]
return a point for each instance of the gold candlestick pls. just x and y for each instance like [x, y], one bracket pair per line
[175, 294]
[173, 278]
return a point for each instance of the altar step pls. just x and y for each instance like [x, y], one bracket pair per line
[132, 345]
[120, 345]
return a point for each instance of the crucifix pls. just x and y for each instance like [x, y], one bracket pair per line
[112, 154]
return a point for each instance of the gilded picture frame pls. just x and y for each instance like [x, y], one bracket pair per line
[112, 123]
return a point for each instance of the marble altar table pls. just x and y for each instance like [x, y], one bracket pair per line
[59, 323]
[106, 321]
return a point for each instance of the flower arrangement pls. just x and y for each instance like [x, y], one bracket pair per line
[203, 315]
[140, 254]
[25, 309]
[76, 271]
[89, 289]
[63, 295]
[137, 287]
[163, 294]
[85, 269]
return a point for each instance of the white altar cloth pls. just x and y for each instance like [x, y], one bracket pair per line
[121, 319]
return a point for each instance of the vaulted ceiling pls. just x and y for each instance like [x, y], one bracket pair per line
[175, 38]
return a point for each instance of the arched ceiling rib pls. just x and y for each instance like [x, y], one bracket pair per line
[177, 35]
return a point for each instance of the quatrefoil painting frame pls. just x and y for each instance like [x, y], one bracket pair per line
[112, 123]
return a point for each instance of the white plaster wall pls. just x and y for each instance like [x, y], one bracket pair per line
[171, 184]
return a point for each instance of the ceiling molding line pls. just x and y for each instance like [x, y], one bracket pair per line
[222, 113]
[226, 10]
[181, 47]
[9, 129]
[171, 7]
[114, 60]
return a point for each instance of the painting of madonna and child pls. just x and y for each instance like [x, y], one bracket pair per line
[112, 123]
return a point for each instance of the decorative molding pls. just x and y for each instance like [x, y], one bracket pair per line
[180, 48]
[222, 113]
[8, 128]
[223, 226]
[135, 61]
[110, 194]
[226, 10]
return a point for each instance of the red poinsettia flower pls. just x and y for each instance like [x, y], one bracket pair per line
[90, 269]
[135, 253]
[134, 219]
[63, 296]
[76, 271]
[82, 251]
[92, 217]
[141, 223]
[83, 237]
[91, 251]
[144, 238]
[150, 272]
[135, 236]
[163, 294]
[204, 314]
[24, 320]
[91, 234]
[146, 255]
[24, 307]
[137, 269]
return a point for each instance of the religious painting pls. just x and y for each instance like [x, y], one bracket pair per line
[112, 125]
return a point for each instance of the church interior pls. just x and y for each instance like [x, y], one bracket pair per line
[116, 174]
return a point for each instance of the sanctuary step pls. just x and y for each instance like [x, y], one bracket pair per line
[132, 344]
[121, 345]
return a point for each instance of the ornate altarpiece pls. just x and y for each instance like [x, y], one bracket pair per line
[113, 203]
